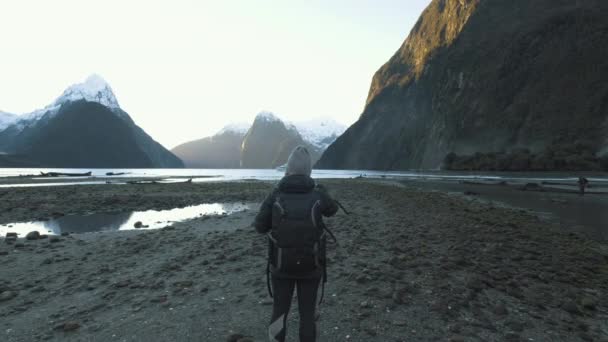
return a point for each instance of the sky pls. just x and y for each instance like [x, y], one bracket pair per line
[183, 69]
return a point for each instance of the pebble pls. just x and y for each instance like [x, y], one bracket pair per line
[501, 310]
[571, 307]
[366, 305]
[238, 338]
[588, 303]
[7, 295]
[68, 326]
[139, 224]
[266, 301]
[35, 235]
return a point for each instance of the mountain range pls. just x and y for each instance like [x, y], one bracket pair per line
[264, 144]
[83, 128]
[488, 84]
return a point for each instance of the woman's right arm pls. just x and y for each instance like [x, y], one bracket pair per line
[263, 220]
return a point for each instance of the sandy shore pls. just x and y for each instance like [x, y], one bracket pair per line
[412, 265]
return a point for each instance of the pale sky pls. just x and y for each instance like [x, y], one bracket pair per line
[185, 68]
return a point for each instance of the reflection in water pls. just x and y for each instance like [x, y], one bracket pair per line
[153, 219]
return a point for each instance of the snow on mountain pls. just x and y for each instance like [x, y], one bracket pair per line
[6, 119]
[93, 89]
[320, 132]
[239, 128]
[267, 116]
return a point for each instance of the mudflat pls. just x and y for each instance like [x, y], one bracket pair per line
[411, 265]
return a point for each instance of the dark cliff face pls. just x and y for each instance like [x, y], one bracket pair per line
[219, 151]
[485, 76]
[87, 135]
[268, 143]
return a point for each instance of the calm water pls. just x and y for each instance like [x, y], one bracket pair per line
[153, 219]
[206, 175]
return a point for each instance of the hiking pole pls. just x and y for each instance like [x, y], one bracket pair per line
[342, 207]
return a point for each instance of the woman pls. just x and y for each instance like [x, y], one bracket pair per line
[292, 216]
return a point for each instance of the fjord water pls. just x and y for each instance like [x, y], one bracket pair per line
[200, 175]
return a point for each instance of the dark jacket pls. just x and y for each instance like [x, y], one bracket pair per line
[293, 184]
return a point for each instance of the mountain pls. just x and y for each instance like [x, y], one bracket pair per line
[223, 150]
[268, 144]
[6, 119]
[320, 132]
[488, 77]
[84, 128]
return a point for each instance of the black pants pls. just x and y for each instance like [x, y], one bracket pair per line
[307, 304]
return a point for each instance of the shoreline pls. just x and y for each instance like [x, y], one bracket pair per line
[411, 264]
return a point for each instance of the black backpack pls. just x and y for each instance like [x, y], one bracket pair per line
[297, 237]
[297, 240]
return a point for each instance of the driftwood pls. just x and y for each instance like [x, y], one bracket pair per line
[116, 173]
[139, 182]
[502, 183]
[63, 174]
[156, 181]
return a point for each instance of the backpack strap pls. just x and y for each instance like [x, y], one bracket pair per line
[268, 279]
[271, 244]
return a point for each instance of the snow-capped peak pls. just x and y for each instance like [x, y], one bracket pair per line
[94, 89]
[239, 128]
[267, 116]
[320, 131]
[6, 119]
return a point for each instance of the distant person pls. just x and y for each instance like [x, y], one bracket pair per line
[582, 185]
[292, 216]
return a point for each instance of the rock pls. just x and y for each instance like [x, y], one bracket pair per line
[238, 338]
[476, 284]
[3, 253]
[400, 296]
[183, 284]
[266, 301]
[68, 326]
[512, 337]
[571, 307]
[10, 235]
[10, 239]
[363, 279]
[588, 303]
[500, 310]
[366, 305]
[7, 295]
[54, 239]
[139, 224]
[19, 245]
[515, 325]
[65, 233]
[35, 235]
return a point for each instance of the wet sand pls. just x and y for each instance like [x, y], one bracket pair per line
[412, 265]
[587, 214]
